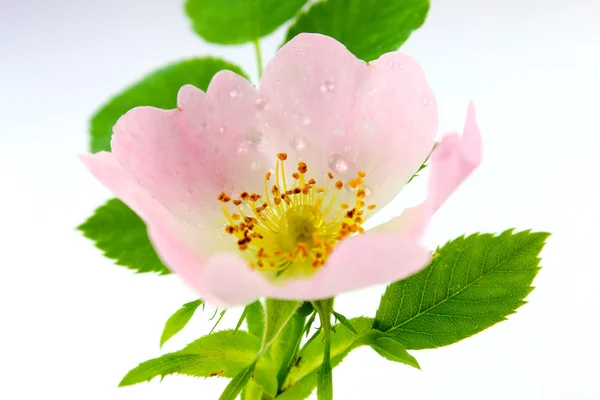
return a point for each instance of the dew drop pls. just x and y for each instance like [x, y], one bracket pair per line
[296, 101]
[234, 93]
[255, 136]
[221, 230]
[189, 191]
[425, 100]
[297, 143]
[347, 148]
[244, 147]
[305, 120]
[255, 165]
[327, 86]
[216, 149]
[338, 163]
[339, 132]
[221, 129]
[367, 191]
[391, 64]
[260, 103]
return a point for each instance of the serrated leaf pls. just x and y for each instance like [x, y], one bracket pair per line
[255, 318]
[121, 235]
[278, 314]
[302, 378]
[219, 354]
[472, 283]
[389, 347]
[158, 89]
[235, 22]
[238, 383]
[368, 28]
[179, 320]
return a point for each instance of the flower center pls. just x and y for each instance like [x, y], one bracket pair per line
[292, 229]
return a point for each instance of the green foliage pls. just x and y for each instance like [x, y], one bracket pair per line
[344, 321]
[238, 383]
[218, 354]
[236, 21]
[255, 318]
[122, 236]
[472, 283]
[389, 347]
[368, 28]
[158, 89]
[279, 313]
[179, 320]
[252, 391]
[302, 378]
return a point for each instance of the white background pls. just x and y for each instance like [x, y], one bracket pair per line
[72, 324]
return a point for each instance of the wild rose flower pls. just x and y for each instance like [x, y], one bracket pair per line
[251, 193]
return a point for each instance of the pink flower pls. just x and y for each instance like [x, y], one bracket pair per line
[262, 193]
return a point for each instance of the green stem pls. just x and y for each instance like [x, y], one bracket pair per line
[258, 57]
[325, 377]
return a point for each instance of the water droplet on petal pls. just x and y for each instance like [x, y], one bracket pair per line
[339, 132]
[189, 191]
[327, 86]
[347, 148]
[221, 129]
[367, 191]
[295, 102]
[255, 136]
[216, 149]
[368, 127]
[244, 147]
[234, 93]
[221, 230]
[391, 64]
[338, 163]
[372, 91]
[260, 103]
[305, 120]
[297, 143]
[425, 100]
[255, 165]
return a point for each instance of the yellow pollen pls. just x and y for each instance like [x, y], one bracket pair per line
[293, 230]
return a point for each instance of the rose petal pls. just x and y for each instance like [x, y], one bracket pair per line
[358, 262]
[186, 157]
[451, 163]
[340, 114]
[182, 247]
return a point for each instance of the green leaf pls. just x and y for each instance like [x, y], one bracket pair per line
[255, 318]
[158, 89]
[389, 347]
[344, 321]
[252, 391]
[472, 283]
[302, 378]
[238, 383]
[368, 28]
[122, 236]
[279, 313]
[179, 320]
[235, 21]
[219, 354]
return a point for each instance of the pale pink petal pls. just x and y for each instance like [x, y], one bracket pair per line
[358, 262]
[451, 163]
[187, 156]
[181, 246]
[340, 114]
